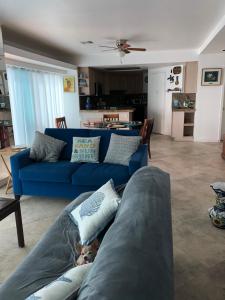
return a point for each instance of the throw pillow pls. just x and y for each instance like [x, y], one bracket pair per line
[85, 149]
[92, 215]
[63, 287]
[121, 148]
[46, 148]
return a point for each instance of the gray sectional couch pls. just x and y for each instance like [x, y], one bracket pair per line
[135, 259]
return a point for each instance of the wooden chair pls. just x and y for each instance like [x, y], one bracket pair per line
[60, 122]
[111, 117]
[4, 137]
[146, 132]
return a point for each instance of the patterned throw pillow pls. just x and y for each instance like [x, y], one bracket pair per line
[63, 287]
[85, 149]
[121, 148]
[92, 215]
[46, 148]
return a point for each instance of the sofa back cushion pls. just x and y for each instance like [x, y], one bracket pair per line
[66, 135]
[105, 138]
[135, 259]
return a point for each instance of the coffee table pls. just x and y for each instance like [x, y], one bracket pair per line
[9, 206]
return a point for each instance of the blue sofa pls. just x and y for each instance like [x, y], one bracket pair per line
[66, 179]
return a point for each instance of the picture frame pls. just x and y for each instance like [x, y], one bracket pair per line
[211, 76]
[69, 84]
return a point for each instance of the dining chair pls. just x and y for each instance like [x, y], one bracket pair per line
[111, 117]
[145, 133]
[60, 122]
[4, 137]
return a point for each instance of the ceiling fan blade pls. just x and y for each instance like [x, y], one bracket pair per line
[102, 46]
[136, 49]
[109, 50]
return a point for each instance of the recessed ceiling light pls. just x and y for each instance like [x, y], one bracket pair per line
[223, 50]
[86, 42]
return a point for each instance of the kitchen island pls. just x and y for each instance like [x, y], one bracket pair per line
[95, 115]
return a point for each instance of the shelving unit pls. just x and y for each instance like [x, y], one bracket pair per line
[183, 124]
[84, 81]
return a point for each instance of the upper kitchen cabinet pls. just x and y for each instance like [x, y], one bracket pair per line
[191, 75]
[93, 81]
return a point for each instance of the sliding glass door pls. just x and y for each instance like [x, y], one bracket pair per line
[36, 100]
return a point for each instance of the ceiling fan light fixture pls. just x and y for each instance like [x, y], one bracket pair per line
[121, 53]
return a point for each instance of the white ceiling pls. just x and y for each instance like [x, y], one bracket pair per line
[157, 25]
[217, 44]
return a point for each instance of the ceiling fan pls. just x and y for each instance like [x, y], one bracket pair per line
[122, 46]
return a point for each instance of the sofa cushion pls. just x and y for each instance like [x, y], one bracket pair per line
[105, 138]
[66, 135]
[97, 174]
[121, 148]
[93, 215]
[85, 149]
[60, 171]
[64, 287]
[46, 148]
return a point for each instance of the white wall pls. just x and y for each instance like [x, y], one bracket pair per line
[72, 104]
[144, 58]
[209, 102]
[159, 100]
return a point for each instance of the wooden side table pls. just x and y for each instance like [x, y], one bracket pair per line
[9, 151]
[7, 207]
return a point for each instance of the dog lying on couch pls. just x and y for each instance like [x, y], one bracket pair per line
[87, 253]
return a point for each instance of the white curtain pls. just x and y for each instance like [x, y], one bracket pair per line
[36, 99]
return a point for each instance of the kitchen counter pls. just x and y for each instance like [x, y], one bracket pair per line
[93, 115]
[184, 109]
[109, 110]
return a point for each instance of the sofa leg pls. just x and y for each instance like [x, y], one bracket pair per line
[17, 197]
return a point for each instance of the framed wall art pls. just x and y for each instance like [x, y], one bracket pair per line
[69, 84]
[211, 76]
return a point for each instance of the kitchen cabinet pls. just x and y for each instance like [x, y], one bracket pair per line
[191, 77]
[129, 82]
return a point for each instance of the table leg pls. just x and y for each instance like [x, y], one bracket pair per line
[9, 172]
[9, 180]
[19, 226]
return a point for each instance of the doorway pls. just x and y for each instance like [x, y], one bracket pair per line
[156, 99]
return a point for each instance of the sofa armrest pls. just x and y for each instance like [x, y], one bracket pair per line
[139, 159]
[18, 161]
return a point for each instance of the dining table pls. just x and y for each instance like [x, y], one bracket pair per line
[126, 125]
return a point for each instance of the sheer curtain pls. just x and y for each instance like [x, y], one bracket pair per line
[36, 99]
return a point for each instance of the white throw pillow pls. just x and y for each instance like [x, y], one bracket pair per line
[92, 215]
[64, 286]
[85, 149]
